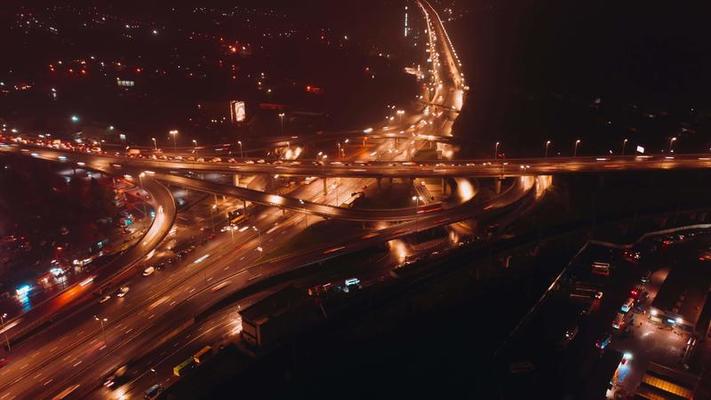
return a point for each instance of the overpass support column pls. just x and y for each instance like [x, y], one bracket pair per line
[379, 184]
[497, 185]
[235, 180]
[325, 186]
[444, 187]
[244, 207]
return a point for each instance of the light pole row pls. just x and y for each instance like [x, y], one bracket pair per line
[2, 319]
[577, 144]
[174, 133]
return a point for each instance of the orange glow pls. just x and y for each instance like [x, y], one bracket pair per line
[68, 296]
[543, 184]
[398, 249]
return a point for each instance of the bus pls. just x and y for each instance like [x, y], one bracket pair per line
[184, 367]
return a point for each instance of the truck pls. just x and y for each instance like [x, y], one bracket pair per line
[201, 355]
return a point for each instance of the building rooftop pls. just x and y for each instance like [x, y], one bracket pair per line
[684, 291]
[274, 305]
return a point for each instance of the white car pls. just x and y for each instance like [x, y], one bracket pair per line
[105, 299]
[122, 292]
[149, 271]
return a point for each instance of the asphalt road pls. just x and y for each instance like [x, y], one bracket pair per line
[64, 305]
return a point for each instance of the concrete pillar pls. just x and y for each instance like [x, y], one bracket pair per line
[379, 183]
[235, 180]
[325, 187]
[244, 207]
[444, 187]
[497, 185]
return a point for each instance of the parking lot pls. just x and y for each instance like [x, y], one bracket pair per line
[594, 321]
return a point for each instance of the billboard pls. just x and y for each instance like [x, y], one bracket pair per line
[238, 112]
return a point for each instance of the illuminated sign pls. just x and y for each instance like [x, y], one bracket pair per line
[122, 83]
[238, 112]
[640, 149]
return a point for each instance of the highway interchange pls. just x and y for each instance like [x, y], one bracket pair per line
[155, 322]
[71, 357]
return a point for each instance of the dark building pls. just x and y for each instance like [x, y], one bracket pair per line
[682, 297]
[286, 312]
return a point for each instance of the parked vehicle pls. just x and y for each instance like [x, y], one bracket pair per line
[603, 341]
[601, 268]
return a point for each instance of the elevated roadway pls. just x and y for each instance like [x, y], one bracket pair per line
[382, 169]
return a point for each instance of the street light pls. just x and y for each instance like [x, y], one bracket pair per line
[195, 145]
[624, 145]
[259, 233]
[548, 144]
[241, 150]
[155, 143]
[400, 113]
[575, 150]
[671, 144]
[75, 118]
[417, 200]
[281, 117]
[174, 134]
[2, 319]
[496, 150]
[103, 331]
[212, 215]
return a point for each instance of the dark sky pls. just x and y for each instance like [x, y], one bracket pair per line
[519, 54]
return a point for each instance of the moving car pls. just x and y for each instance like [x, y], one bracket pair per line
[153, 392]
[149, 271]
[105, 299]
[118, 378]
[122, 292]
